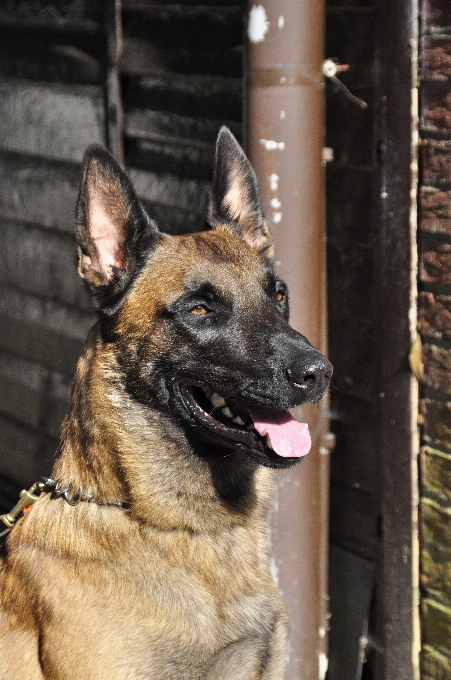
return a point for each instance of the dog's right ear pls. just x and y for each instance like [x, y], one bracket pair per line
[114, 233]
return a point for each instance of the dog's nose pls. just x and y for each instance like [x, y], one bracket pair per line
[311, 374]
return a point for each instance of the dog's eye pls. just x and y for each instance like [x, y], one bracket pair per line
[199, 310]
[280, 295]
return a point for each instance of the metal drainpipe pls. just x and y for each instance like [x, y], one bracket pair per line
[285, 138]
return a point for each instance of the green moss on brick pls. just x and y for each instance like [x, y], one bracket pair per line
[436, 474]
[434, 665]
[437, 625]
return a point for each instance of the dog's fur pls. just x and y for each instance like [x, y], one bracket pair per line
[167, 575]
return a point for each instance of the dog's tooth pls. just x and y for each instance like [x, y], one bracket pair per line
[268, 442]
[227, 412]
[238, 420]
[217, 400]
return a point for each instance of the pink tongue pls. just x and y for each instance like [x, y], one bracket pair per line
[289, 438]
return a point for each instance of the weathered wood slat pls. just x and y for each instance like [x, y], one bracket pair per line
[171, 191]
[163, 158]
[175, 129]
[68, 119]
[202, 96]
[42, 331]
[41, 263]
[195, 28]
[141, 58]
[174, 221]
[32, 394]
[58, 11]
[32, 453]
[38, 191]
[353, 520]
[49, 57]
[181, 6]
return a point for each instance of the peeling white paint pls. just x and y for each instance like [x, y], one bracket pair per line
[280, 22]
[276, 217]
[275, 203]
[323, 665]
[273, 181]
[258, 25]
[271, 145]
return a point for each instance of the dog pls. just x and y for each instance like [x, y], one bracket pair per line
[146, 555]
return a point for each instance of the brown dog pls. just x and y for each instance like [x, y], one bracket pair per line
[147, 554]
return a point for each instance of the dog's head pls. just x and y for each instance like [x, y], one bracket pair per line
[199, 323]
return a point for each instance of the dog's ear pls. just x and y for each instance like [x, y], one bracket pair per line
[235, 200]
[114, 233]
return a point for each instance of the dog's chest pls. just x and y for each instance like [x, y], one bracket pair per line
[172, 612]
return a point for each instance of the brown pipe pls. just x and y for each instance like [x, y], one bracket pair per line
[285, 135]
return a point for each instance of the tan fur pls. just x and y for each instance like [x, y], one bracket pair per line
[178, 585]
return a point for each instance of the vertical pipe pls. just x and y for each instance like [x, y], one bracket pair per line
[285, 136]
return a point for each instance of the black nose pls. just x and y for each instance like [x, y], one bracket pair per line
[311, 374]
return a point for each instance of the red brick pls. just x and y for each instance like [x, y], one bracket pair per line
[436, 13]
[437, 368]
[436, 110]
[435, 266]
[436, 160]
[435, 210]
[435, 315]
[436, 58]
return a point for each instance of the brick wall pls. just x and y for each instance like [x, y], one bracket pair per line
[435, 326]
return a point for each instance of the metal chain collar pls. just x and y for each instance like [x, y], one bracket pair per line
[29, 498]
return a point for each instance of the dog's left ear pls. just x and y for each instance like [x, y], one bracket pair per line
[235, 199]
[114, 233]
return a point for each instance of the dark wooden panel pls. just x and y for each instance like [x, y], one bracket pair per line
[38, 191]
[42, 331]
[141, 58]
[395, 613]
[41, 263]
[350, 129]
[353, 520]
[51, 11]
[351, 588]
[51, 55]
[26, 455]
[189, 96]
[354, 460]
[350, 39]
[169, 190]
[68, 119]
[33, 395]
[350, 204]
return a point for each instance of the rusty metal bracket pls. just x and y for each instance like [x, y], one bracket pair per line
[330, 70]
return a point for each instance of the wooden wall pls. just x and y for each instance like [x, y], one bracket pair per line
[178, 80]
[352, 213]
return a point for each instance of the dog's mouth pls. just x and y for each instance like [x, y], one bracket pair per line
[272, 438]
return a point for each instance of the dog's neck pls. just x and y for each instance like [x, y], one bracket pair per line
[119, 451]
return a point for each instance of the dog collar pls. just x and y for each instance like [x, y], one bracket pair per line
[28, 499]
